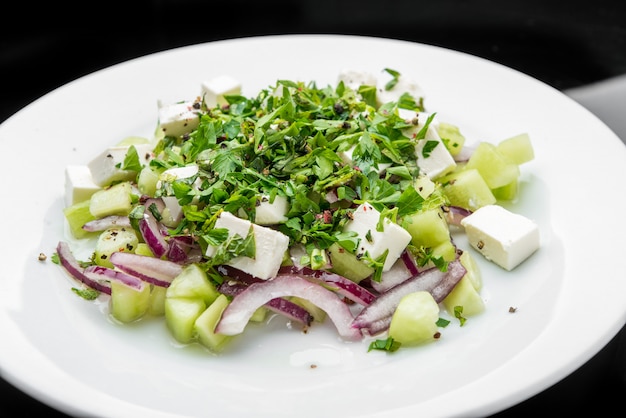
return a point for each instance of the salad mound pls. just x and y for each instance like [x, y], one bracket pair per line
[321, 204]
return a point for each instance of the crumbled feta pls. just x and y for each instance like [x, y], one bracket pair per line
[437, 161]
[176, 119]
[214, 90]
[404, 85]
[355, 78]
[271, 246]
[271, 213]
[393, 237]
[79, 185]
[501, 236]
[106, 167]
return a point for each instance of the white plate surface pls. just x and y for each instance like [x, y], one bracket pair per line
[569, 299]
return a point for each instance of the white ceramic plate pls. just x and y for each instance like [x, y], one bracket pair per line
[569, 299]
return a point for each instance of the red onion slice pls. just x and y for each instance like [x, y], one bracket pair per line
[107, 222]
[101, 272]
[149, 269]
[455, 214]
[433, 280]
[151, 233]
[279, 305]
[335, 282]
[236, 316]
[69, 262]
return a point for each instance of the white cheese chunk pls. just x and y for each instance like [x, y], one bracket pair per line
[271, 246]
[176, 119]
[374, 243]
[355, 78]
[501, 236]
[106, 167]
[79, 185]
[433, 158]
[214, 90]
[404, 85]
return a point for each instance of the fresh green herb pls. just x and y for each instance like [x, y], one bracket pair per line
[458, 314]
[388, 344]
[87, 294]
[131, 160]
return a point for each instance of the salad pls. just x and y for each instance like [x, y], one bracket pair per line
[323, 204]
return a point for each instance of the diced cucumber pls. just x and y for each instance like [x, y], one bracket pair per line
[496, 169]
[128, 304]
[347, 264]
[318, 314]
[424, 185]
[157, 301]
[507, 192]
[427, 228]
[147, 181]
[415, 319]
[451, 137]
[115, 200]
[464, 294]
[259, 315]
[517, 149]
[472, 270]
[193, 283]
[204, 326]
[181, 315]
[78, 215]
[115, 239]
[468, 189]
[445, 250]
[144, 249]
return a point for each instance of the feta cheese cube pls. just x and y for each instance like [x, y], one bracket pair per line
[355, 78]
[404, 85]
[501, 236]
[79, 185]
[177, 119]
[270, 246]
[106, 167]
[214, 90]
[393, 237]
[433, 158]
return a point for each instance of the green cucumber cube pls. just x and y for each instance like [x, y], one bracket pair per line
[115, 200]
[465, 295]
[427, 228]
[115, 239]
[193, 283]
[346, 264]
[507, 192]
[468, 189]
[128, 304]
[204, 325]
[78, 215]
[157, 301]
[318, 314]
[517, 149]
[415, 319]
[495, 168]
[181, 315]
[147, 181]
[451, 137]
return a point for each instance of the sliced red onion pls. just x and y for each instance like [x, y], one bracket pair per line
[101, 272]
[149, 269]
[279, 305]
[433, 280]
[238, 275]
[455, 214]
[397, 274]
[335, 282]
[236, 316]
[151, 233]
[107, 222]
[409, 262]
[73, 267]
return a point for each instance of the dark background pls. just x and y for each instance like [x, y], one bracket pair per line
[565, 44]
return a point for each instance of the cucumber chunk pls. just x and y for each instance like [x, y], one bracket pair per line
[78, 215]
[346, 264]
[415, 319]
[427, 228]
[128, 304]
[517, 149]
[116, 200]
[204, 325]
[468, 189]
[115, 239]
[181, 315]
[495, 168]
[193, 283]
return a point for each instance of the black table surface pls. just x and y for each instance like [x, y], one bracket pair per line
[563, 44]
